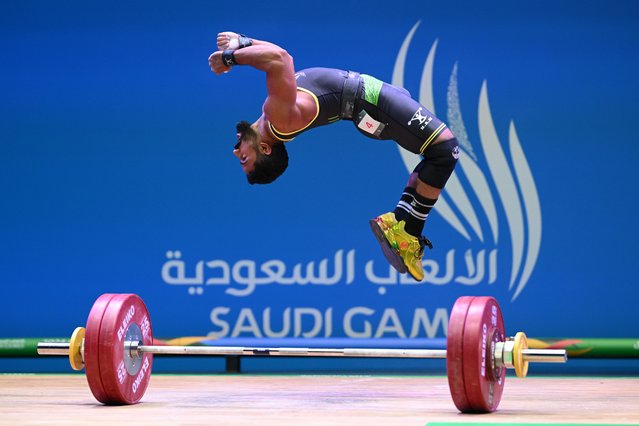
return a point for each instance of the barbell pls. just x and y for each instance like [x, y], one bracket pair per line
[116, 349]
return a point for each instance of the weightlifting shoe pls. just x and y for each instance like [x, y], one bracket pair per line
[402, 250]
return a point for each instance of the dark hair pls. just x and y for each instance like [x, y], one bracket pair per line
[244, 127]
[267, 168]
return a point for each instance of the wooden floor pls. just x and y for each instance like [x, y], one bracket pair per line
[314, 400]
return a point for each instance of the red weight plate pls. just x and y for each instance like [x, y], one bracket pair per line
[455, 353]
[483, 328]
[124, 379]
[92, 346]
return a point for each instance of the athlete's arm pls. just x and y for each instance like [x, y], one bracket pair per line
[280, 107]
[224, 41]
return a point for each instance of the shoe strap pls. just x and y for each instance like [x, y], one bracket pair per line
[423, 241]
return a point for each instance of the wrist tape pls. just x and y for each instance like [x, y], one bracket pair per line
[229, 58]
[244, 41]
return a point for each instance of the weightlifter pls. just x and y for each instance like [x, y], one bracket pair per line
[299, 101]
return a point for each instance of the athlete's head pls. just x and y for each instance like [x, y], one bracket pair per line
[263, 162]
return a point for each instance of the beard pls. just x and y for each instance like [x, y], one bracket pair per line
[246, 133]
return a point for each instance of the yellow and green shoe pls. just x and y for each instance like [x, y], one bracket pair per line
[402, 250]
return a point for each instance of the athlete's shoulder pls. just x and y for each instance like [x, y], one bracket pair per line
[317, 71]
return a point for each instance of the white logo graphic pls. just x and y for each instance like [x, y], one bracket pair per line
[510, 178]
[423, 121]
[455, 153]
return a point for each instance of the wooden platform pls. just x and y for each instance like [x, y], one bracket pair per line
[314, 400]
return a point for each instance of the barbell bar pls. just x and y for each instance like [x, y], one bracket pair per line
[116, 348]
[135, 349]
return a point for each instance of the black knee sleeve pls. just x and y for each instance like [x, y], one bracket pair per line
[438, 163]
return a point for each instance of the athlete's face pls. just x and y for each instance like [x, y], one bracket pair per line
[249, 148]
[246, 150]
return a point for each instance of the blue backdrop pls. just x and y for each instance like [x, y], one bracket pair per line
[116, 171]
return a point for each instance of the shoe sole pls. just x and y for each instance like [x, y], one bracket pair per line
[391, 255]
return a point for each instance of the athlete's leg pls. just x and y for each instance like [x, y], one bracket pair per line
[419, 131]
[415, 204]
[423, 189]
[426, 183]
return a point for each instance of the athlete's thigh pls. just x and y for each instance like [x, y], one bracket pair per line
[409, 123]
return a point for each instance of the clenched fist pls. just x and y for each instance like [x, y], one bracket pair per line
[228, 40]
[216, 63]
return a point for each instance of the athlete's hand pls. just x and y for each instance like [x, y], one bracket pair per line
[216, 63]
[228, 40]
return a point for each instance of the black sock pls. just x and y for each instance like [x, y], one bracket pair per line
[413, 209]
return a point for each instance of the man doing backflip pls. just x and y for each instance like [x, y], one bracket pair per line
[299, 101]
